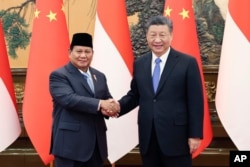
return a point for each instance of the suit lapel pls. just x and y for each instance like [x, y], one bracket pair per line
[148, 72]
[93, 77]
[79, 77]
[171, 62]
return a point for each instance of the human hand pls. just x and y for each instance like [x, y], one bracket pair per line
[115, 108]
[110, 107]
[194, 144]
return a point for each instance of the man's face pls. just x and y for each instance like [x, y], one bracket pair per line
[81, 57]
[159, 39]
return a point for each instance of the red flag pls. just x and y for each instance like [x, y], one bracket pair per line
[185, 39]
[10, 127]
[113, 50]
[48, 50]
[233, 86]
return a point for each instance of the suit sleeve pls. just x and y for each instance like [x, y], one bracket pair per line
[195, 100]
[131, 99]
[63, 93]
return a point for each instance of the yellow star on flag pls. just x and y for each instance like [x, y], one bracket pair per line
[168, 11]
[63, 8]
[51, 16]
[184, 13]
[37, 12]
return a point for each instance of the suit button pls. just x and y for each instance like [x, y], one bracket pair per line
[154, 100]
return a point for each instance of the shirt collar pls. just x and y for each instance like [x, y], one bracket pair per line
[85, 73]
[162, 57]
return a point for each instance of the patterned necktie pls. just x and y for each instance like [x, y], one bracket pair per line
[90, 82]
[156, 73]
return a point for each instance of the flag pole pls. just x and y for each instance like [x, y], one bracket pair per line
[113, 165]
[51, 164]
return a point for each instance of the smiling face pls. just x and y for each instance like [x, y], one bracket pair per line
[159, 39]
[81, 57]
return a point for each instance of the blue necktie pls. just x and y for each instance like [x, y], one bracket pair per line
[90, 82]
[156, 73]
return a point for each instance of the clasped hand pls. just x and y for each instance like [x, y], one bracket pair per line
[110, 107]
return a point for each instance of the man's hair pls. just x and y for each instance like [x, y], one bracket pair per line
[159, 20]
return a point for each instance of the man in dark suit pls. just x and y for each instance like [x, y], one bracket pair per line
[79, 129]
[167, 87]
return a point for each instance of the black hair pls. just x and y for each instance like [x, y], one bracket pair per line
[159, 20]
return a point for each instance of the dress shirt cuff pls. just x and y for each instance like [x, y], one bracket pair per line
[99, 106]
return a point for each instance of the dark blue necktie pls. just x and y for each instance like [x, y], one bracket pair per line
[156, 73]
[90, 82]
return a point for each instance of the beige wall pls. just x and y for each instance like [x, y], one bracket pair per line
[80, 15]
[22, 59]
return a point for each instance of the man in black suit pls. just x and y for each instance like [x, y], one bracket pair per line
[79, 129]
[170, 117]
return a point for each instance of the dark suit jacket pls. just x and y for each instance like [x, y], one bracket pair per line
[176, 109]
[77, 125]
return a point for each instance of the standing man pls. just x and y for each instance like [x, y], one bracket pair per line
[79, 129]
[167, 87]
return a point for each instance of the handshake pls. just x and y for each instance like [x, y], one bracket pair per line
[110, 107]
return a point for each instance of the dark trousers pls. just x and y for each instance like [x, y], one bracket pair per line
[155, 158]
[94, 161]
